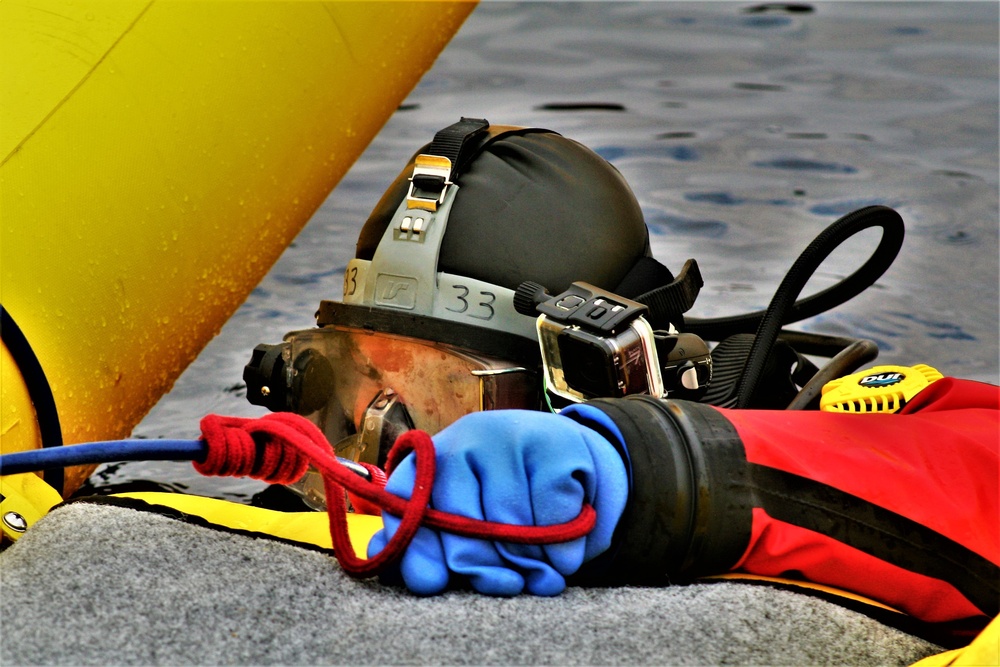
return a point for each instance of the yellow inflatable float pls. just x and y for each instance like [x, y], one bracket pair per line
[156, 157]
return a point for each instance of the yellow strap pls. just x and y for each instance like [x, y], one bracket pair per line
[309, 528]
[740, 576]
[984, 650]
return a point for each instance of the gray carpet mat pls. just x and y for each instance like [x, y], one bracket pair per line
[93, 584]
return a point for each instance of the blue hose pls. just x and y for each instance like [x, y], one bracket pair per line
[102, 452]
[34, 460]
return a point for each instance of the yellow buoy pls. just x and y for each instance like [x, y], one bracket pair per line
[156, 157]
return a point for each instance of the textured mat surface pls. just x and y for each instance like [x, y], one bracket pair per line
[93, 584]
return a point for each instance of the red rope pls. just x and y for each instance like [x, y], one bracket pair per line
[279, 447]
[379, 479]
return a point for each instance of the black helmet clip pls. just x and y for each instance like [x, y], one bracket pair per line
[436, 169]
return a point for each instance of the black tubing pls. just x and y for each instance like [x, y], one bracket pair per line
[820, 345]
[718, 328]
[38, 388]
[844, 363]
[784, 308]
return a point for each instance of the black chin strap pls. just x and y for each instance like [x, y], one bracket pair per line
[672, 298]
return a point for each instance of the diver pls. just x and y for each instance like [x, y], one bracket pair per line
[548, 415]
[503, 298]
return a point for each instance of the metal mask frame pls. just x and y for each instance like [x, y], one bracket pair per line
[379, 384]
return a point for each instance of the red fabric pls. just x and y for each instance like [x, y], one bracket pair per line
[293, 442]
[937, 463]
[233, 452]
[779, 549]
[362, 506]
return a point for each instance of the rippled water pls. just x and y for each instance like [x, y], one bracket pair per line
[743, 129]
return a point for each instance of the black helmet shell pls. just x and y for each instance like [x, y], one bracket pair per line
[532, 205]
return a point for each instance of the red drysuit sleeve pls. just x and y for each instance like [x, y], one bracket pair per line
[901, 508]
[905, 505]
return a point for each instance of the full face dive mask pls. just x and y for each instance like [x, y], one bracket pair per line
[506, 266]
[428, 330]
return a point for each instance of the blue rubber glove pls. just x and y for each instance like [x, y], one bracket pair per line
[511, 466]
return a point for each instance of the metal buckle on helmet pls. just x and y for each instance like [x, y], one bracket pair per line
[431, 176]
[384, 420]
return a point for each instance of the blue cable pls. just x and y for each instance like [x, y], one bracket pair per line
[102, 452]
[34, 460]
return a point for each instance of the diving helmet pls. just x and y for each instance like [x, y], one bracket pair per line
[427, 330]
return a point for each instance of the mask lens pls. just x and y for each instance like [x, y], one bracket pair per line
[381, 384]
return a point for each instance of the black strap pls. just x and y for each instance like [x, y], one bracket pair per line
[668, 302]
[450, 143]
[38, 390]
[491, 342]
[646, 274]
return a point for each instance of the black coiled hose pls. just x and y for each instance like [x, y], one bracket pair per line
[784, 308]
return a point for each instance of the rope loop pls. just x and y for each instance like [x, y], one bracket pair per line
[255, 448]
[279, 447]
[378, 477]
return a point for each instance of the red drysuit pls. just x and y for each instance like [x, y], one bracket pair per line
[902, 508]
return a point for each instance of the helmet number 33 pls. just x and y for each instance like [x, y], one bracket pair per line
[474, 304]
